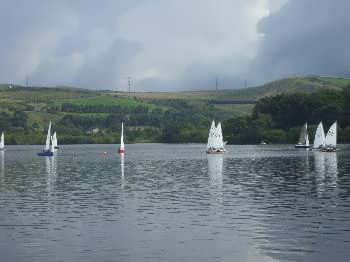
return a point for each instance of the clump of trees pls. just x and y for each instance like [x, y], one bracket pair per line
[278, 119]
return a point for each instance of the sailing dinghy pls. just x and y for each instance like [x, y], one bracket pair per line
[121, 149]
[48, 149]
[54, 141]
[320, 140]
[331, 139]
[303, 141]
[215, 140]
[2, 141]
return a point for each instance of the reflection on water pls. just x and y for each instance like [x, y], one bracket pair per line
[2, 163]
[326, 171]
[122, 170]
[215, 164]
[175, 203]
[51, 172]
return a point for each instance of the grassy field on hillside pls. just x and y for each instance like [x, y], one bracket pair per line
[78, 111]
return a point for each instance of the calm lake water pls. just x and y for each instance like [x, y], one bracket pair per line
[174, 203]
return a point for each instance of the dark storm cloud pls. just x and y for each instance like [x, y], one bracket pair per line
[173, 44]
[169, 45]
[304, 37]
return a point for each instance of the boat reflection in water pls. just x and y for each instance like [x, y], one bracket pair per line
[2, 167]
[51, 172]
[122, 170]
[215, 166]
[326, 169]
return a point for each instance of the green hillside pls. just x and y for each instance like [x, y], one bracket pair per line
[307, 84]
[90, 116]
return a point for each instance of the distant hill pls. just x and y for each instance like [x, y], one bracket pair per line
[307, 84]
[39, 99]
[93, 116]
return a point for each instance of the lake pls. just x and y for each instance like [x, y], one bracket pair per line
[174, 203]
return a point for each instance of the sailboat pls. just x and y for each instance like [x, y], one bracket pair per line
[331, 139]
[2, 141]
[215, 140]
[49, 148]
[320, 140]
[54, 141]
[303, 141]
[121, 149]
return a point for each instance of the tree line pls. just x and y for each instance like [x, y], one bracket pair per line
[278, 119]
[275, 119]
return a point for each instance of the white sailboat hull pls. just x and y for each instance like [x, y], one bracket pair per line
[302, 146]
[216, 151]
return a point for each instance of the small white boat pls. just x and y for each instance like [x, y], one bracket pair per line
[320, 140]
[215, 140]
[303, 141]
[331, 139]
[121, 149]
[2, 141]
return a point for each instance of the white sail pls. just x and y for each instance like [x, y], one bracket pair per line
[52, 147]
[331, 137]
[211, 135]
[2, 141]
[303, 135]
[48, 138]
[122, 137]
[319, 140]
[54, 140]
[220, 140]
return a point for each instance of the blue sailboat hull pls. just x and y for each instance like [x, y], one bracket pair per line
[45, 153]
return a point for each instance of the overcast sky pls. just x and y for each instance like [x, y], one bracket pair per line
[171, 44]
